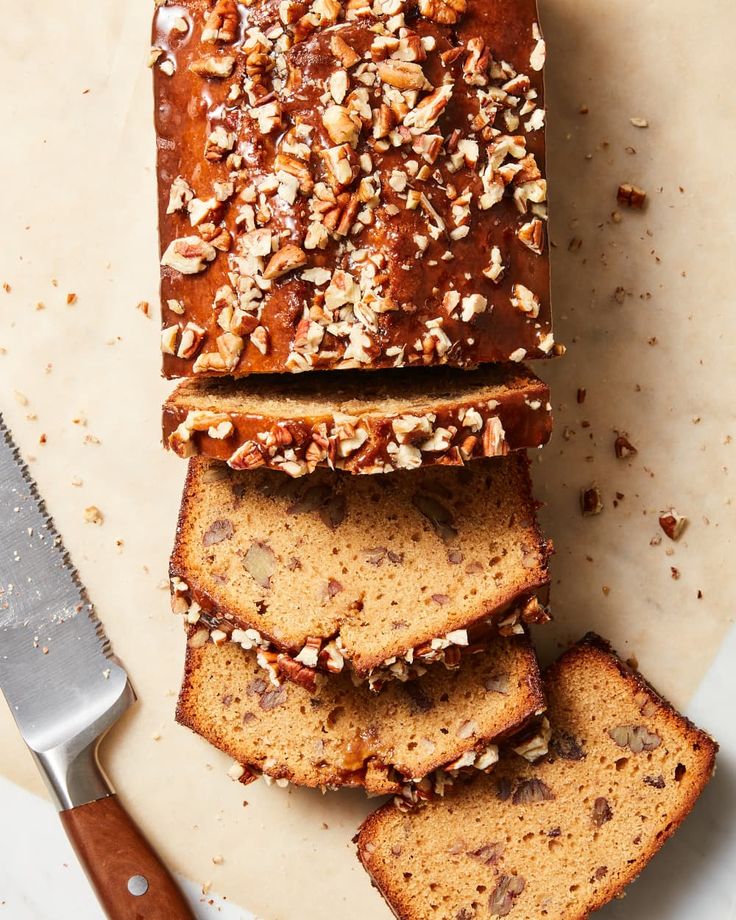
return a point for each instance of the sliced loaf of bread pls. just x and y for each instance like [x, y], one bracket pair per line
[557, 839]
[373, 572]
[369, 424]
[342, 735]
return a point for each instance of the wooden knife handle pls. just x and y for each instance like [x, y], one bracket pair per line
[119, 860]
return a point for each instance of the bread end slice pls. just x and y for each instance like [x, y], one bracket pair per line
[560, 838]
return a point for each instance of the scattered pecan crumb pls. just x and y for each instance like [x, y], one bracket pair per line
[93, 515]
[590, 501]
[582, 392]
[143, 306]
[672, 523]
[631, 195]
[6, 287]
[584, 110]
[624, 448]
[639, 122]
[71, 298]
[675, 572]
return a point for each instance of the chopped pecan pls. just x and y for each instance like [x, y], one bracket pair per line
[439, 516]
[426, 113]
[504, 895]
[591, 501]
[188, 255]
[637, 738]
[260, 563]
[297, 673]
[343, 52]
[404, 75]
[191, 340]
[214, 66]
[342, 126]
[445, 12]
[475, 67]
[601, 811]
[531, 235]
[672, 523]
[530, 791]
[218, 531]
[247, 457]
[284, 261]
[631, 195]
[342, 165]
[222, 22]
[285, 162]
[623, 447]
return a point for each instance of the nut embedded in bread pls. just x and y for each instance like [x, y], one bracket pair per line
[371, 571]
[560, 838]
[373, 423]
[341, 734]
[353, 184]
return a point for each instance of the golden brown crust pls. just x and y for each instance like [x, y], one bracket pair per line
[274, 260]
[388, 421]
[576, 794]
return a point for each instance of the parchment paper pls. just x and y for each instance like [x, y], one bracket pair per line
[78, 198]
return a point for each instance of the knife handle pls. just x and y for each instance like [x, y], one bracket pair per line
[129, 879]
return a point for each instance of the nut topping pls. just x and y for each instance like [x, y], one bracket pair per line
[445, 12]
[287, 259]
[188, 255]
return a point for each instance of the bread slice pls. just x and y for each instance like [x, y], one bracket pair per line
[561, 838]
[342, 735]
[362, 571]
[403, 225]
[367, 424]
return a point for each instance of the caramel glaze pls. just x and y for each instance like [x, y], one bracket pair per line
[522, 409]
[189, 106]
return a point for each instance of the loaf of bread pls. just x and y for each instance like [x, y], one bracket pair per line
[350, 183]
[561, 838]
[342, 735]
[372, 423]
[372, 572]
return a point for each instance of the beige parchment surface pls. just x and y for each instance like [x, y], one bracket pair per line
[78, 216]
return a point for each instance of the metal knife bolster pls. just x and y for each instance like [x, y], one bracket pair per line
[57, 672]
[72, 770]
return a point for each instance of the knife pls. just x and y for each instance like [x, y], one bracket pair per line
[66, 689]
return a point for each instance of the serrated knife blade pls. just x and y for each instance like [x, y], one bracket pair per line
[65, 689]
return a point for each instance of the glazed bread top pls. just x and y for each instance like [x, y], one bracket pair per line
[350, 184]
